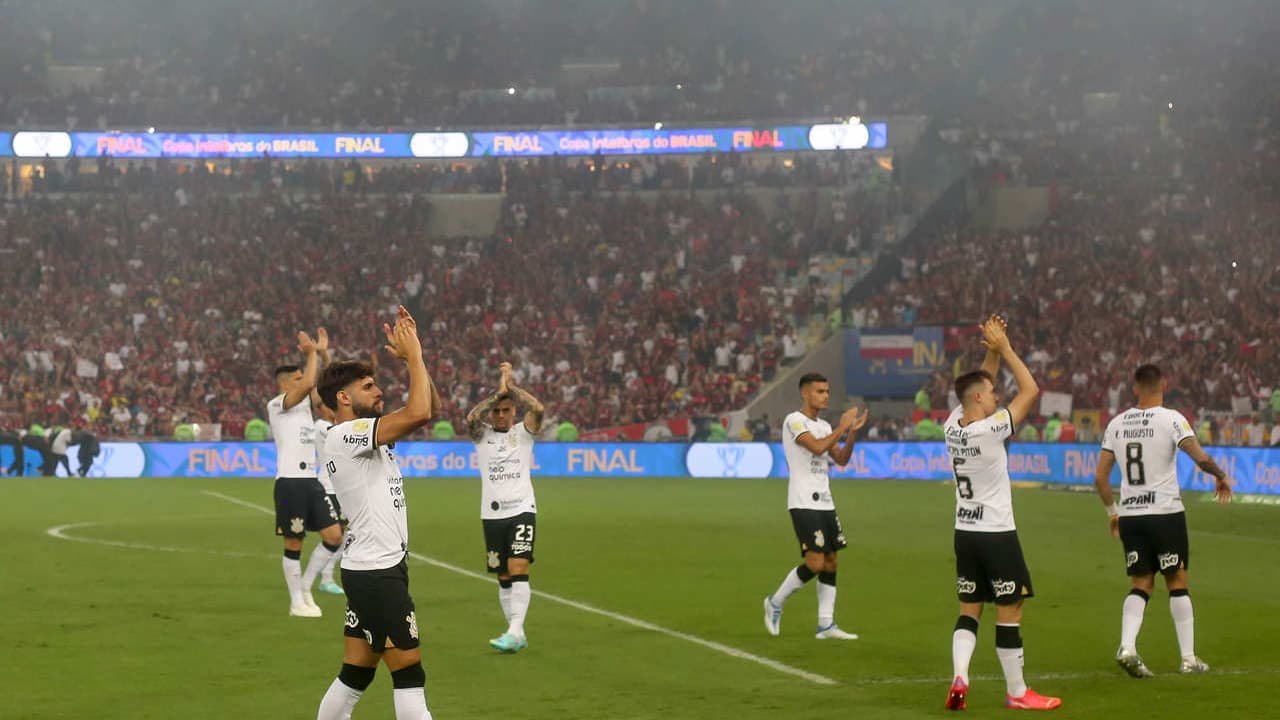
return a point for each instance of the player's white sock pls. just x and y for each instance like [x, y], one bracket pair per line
[794, 580]
[1009, 650]
[320, 557]
[411, 704]
[826, 599]
[338, 702]
[345, 692]
[409, 696]
[326, 573]
[293, 575]
[1184, 621]
[504, 598]
[520, 595]
[963, 642]
[1135, 605]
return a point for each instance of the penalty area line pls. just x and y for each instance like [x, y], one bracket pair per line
[584, 607]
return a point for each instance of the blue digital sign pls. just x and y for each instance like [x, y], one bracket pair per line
[6, 144]
[241, 145]
[639, 141]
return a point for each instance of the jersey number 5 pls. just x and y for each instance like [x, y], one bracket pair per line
[1133, 469]
[964, 487]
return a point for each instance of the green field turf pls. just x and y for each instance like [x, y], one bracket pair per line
[119, 628]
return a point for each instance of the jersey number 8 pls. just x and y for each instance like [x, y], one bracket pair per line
[1133, 469]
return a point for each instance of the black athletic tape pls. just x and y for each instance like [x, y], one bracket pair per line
[967, 622]
[1008, 636]
[1180, 593]
[1142, 594]
[293, 554]
[804, 573]
[504, 584]
[411, 677]
[520, 578]
[356, 677]
[332, 548]
[827, 578]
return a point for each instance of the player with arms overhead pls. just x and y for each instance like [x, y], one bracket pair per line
[507, 507]
[989, 562]
[1150, 520]
[381, 622]
[810, 446]
[300, 500]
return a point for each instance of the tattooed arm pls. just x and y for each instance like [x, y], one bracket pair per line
[476, 418]
[533, 409]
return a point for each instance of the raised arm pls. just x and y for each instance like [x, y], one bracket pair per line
[403, 343]
[476, 418]
[993, 334]
[842, 453]
[824, 445]
[991, 364]
[310, 372]
[1221, 484]
[533, 409]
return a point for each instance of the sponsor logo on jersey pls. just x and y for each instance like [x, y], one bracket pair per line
[1167, 561]
[1130, 559]
[361, 440]
[965, 514]
[1004, 587]
[1145, 498]
[965, 586]
[521, 547]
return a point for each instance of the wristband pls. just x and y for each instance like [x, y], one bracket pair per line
[1112, 511]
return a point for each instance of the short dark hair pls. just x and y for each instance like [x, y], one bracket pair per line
[339, 375]
[1148, 376]
[809, 378]
[286, 370]
[968, 380]
[504, 396]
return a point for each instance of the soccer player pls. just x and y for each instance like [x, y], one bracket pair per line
[811, 445]
[381, 622]
[1150, 521]
[299, 498]
[324, 421]
[507, 507]
[989, 562]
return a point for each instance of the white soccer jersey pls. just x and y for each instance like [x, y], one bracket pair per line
[980, 462]
[808, 484]
[294, 435]
[321, 434]
[367, 481]
[1145, 443]
[505, 463]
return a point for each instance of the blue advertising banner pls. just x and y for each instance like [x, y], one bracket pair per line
[639, 141]
[241, 145]
[1254, 470]
[891, 363]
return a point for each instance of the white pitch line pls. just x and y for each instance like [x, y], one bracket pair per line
[60, 532]
[635, 622]
[1095, 674]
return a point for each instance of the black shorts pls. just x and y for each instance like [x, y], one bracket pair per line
[818, 530]
[1155, 543]
[301, 505]
[508, 538]
[990, 568]
[337, 510]
[379, 609]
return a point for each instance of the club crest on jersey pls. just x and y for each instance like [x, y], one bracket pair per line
[295, 525]
[965, 586]
[819, 540]
[360, 426]
[1004, 587]
[1168, 560]
[492, 559]
[412, 619]
[1130, 559]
